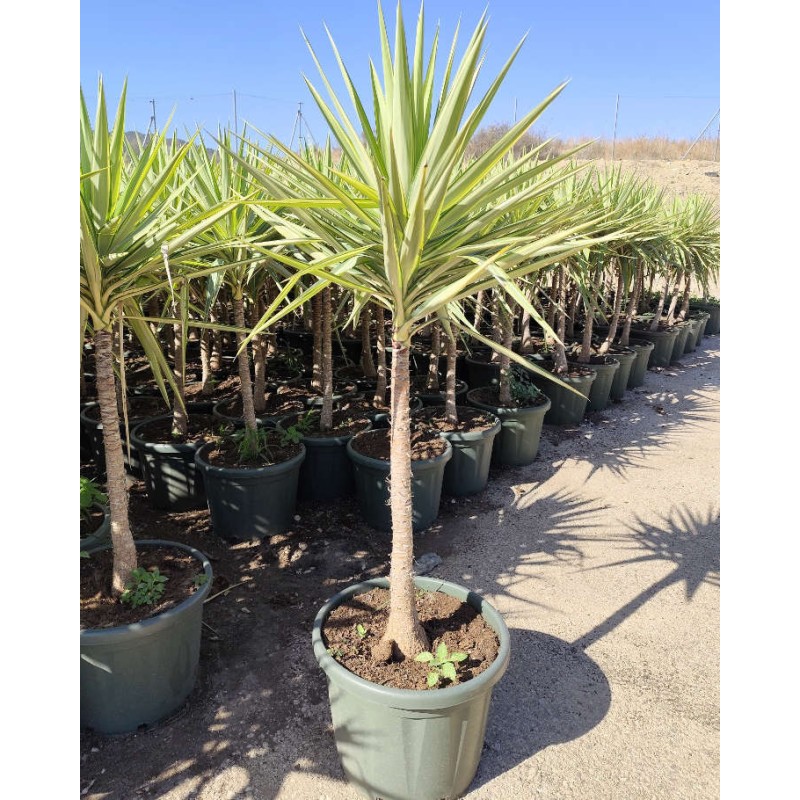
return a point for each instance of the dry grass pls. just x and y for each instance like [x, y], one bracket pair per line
[645, 147]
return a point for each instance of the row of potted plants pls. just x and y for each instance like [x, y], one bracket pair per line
[404, 226]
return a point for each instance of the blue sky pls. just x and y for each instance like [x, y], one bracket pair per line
[663, 59]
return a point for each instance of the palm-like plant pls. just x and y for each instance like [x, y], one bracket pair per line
[128, 214]
[433, 231]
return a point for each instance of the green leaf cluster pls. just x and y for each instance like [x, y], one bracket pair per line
[145, 587]
[442, 664]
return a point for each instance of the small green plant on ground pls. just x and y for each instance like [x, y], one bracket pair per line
[251, 443]
[91, 496]
[361, 631]
[145, 587]
[442, 664]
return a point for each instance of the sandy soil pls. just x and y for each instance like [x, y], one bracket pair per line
[603, 557]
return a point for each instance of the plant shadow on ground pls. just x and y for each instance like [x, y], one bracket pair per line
[553, 691]
[656, 419]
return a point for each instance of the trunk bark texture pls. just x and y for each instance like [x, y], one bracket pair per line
[450, 388]
[316, 327]
[614, 323]
[367, 362]
[380, 338]
[403, 630]
[432, 383]
[116, 481]
[326, 415]
[243, 362]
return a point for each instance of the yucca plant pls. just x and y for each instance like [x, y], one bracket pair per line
[433, 232]
[128, 214]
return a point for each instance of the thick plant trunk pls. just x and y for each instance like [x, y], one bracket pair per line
[380, 338]
[316, 325]
[526, 340]
[497, 325]
[687, 292]
[326, 415]
[633, 305]
[243, 362]
[450, 383]
[215, 358]
[367, 363]
[206, 387]
[259, 360]
[479, 309]
[554, 294]
[559, 353]
[674, 301]
[432, 384]
[614, 323]
[644, 297]
[180, 420]
[660, 307]
[507, 332]
[116, 482]
[403, 630]
[571, 311]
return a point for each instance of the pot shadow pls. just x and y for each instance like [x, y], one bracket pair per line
[551, 693]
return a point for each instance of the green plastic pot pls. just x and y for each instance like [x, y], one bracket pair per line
[250, 502]
[380, 419]
[102, 535]
[626, 356]
[327, 471]
[401, 744]
[481, 373]
[699, 320]
[713, 311]
[372, 487]
[171, 477]
[664, 342]
[643, 350]
[517, 444]
[691, 338]
[429, 398]
[467, 472]
[566, 407]
[684, 329]
[600, 390]
[138, 674]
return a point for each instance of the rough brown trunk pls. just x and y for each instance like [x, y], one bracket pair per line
[243, 362]
[432, 384]
[316, 326]
[586, 343]
[326, 414]
[554, 294]
[497, 325]
[660, 307]
[215, 359]
[633, 304]
[559, 353]
[507, 332]
[687, 292]
[180, 420]
[403, 630]
[380, 338]
[116, 481]
[479, 309]
[450, 382]
[259, 359]
[644, 297]
[206, 387]
[571, 311]
[367, 363]
[614, 323]
[674, 301]
[526, 340]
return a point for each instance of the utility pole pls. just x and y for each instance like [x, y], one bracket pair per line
[153, 118]
[614, 140]
[708, 125]
[300, 129]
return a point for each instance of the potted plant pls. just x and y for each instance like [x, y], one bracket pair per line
[432, 230]
[127, 216]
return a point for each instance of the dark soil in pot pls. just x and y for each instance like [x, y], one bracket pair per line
[345, 422]
[490, 396]
[445, 619]
[159, 431]
[100, 610]
[469, 419]
[226, 453]
[425, 444]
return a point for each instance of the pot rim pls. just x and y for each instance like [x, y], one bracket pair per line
[254, 472]
[415, 699]
[417, 465]
[102, 636]
[505, 412]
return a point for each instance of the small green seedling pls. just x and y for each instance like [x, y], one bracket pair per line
[335, 652]
[91, 496]
[361, 630]
[145, 587]
[442, 665]
[200, 580]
